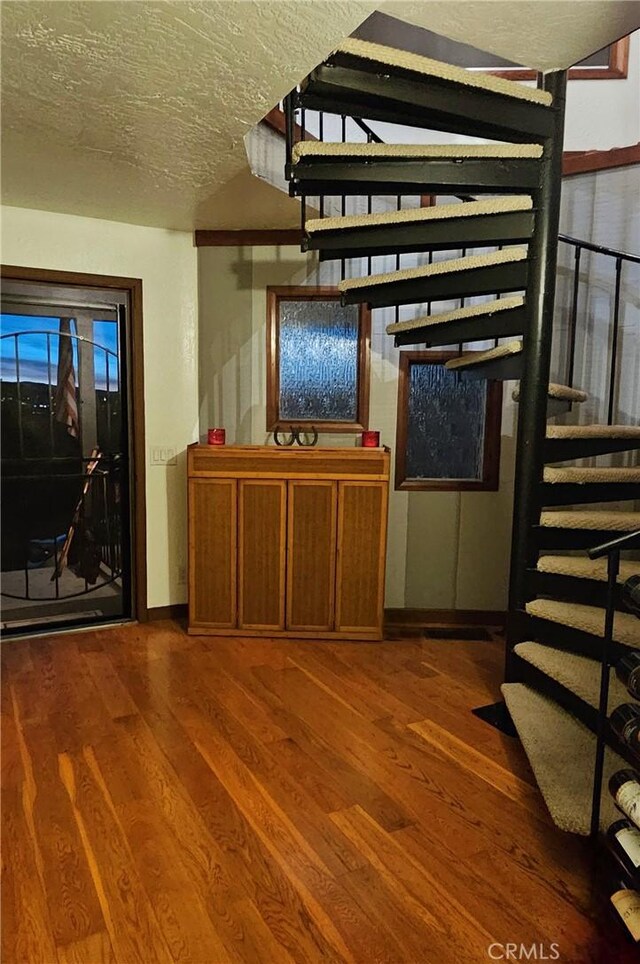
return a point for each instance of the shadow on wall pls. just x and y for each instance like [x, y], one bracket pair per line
[176, 508]
[268, 208]
[458, 543]
[225, 309]
[232, 284]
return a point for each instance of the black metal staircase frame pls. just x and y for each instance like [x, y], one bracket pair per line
[353, 89]
[610, 550]
[553, 604]
[373, 95]
[532, 414]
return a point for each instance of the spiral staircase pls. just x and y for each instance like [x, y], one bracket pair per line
[557, 598]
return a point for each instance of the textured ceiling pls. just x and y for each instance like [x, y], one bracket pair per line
[545, 34]
[136, 111]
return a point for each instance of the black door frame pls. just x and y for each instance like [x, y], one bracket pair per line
[135, 385]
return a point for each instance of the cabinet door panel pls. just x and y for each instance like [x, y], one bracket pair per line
[212, 552]
[362, 517]
[261, 553]
[311, 554]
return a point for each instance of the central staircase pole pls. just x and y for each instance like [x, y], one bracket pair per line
[532, 416]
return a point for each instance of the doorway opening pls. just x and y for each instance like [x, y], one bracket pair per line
[72, 457]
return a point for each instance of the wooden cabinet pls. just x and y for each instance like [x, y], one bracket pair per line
[287, 542]
[360, 569]
[261, 553]
[213, 523]
[311, 555]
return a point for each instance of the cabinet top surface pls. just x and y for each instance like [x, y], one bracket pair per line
[270, 461]
[203, 447]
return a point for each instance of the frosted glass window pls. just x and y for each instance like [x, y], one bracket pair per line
[443, 428]
[318, 361]
[318, 364]
[446, 424]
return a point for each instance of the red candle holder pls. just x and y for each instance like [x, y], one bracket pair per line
[370, 440]
[216, 436]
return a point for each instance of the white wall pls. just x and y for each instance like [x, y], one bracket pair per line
[166, 262]
[602, 114]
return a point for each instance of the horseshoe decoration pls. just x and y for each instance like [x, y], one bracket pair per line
[305, 439]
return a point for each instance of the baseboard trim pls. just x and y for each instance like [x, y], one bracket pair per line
[446, 617]
[175, 611]
[392, 617]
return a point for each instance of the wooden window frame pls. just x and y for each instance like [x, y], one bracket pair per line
[490, 481]
[616, 69]
[313, 293]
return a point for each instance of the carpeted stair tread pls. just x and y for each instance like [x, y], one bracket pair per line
[581, 567]
[562, 392]
[593, 431]
[441, 212]
[583, 519]
[587, 619]
[585, 476]
[419, 64]
[438, 268]
[407, 152]
[578, 674]
[566, 393]
[561, 753]
[470, 359]
[471, 311]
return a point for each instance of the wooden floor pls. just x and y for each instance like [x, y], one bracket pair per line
[172, 798]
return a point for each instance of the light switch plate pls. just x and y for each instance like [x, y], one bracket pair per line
[163, 455]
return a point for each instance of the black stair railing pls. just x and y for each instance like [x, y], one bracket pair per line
[616, 261]
[611, 551]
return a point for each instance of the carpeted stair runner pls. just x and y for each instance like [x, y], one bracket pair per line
[419, 64]
[411, 152]
[441, 212]
[593, 431]
[578, 674]
[439, 267]
[470, 359]
[587, 619]
[586, 476]
[581, 567]
[472, 311]
[561, 392]
[561, 752]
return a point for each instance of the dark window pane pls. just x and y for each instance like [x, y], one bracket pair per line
[446, 424]
[318, 361]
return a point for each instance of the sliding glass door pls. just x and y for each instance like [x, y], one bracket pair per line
[66, 493]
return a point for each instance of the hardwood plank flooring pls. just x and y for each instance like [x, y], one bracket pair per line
[168, 798]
